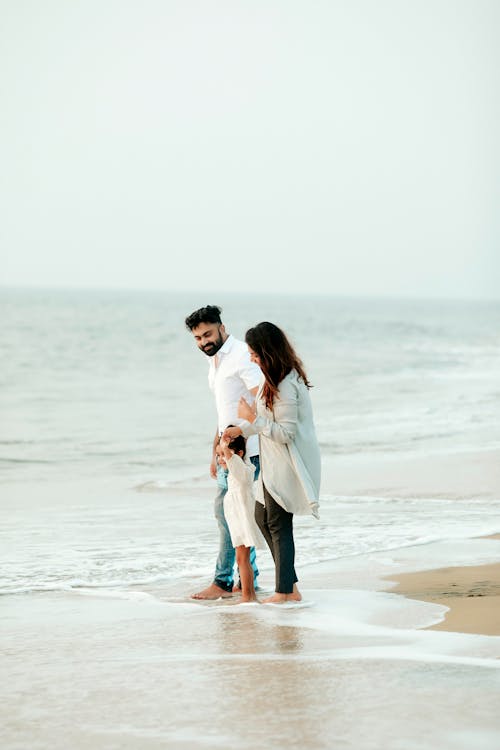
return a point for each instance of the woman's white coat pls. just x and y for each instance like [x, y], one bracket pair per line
[289, 452]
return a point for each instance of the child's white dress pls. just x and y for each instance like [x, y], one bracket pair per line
[239, 504]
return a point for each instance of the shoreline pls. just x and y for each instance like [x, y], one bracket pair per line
[470, 592]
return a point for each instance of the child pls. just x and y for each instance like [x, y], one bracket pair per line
[239, 509]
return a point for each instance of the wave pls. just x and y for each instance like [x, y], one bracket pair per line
[313, 550]
[8, 460]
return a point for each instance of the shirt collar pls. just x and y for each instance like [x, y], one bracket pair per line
[225, 348]
[227, 345]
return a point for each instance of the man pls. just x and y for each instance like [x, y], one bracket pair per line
[231, 375]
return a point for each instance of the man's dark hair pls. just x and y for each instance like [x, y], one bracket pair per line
[208, 314]
[238, 443]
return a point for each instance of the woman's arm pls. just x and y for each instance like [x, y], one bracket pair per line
[282, 428]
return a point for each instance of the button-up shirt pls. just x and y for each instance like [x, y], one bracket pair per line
[231, 376]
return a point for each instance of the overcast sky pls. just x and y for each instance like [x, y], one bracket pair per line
[344, 146]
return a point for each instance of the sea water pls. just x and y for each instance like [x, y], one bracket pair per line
[106, 527]
[107, 420]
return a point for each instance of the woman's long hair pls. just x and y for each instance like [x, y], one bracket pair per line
[277, 358]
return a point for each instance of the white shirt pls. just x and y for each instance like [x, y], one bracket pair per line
[234, 376]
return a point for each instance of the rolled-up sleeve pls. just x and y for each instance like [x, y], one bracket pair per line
[250, 374]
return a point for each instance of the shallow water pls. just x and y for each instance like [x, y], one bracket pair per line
[60, 535]
[148, 672]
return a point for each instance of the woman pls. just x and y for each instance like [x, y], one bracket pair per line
[289, 452]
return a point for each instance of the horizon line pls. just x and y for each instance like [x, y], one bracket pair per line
[375, 296]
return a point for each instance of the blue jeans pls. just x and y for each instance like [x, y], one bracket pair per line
[224, 567]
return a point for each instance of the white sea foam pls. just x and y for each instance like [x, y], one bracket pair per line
[114, 541]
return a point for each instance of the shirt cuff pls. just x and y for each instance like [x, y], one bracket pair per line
[252, 428]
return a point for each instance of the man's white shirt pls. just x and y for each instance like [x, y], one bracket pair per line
[231, 374]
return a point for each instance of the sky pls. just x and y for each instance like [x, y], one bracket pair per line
[312, 146]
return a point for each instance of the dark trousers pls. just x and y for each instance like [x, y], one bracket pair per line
[276, 525]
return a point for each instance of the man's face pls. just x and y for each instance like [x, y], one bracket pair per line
[209, 337]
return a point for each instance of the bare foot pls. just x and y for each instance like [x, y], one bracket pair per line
[295, 596]
[212, 592]
[237, 588]
[276, 599]
[248, 599]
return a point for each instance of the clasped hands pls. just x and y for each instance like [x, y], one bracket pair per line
[245, 411]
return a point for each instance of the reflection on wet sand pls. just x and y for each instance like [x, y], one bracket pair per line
[101, 672]
[245, 634]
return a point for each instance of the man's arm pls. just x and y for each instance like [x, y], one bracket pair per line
[213, 464]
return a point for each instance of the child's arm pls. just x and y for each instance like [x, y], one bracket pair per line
[235, 464]
[224, 444]
[238, 468]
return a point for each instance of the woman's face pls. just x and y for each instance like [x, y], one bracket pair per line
[253, 356]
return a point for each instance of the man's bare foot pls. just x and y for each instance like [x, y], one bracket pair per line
[212, 592]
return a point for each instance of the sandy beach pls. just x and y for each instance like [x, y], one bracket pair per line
[471, 593]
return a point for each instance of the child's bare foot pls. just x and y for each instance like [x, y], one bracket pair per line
[212, 592]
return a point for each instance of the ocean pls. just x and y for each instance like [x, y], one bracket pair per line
[106, 425]
[107, 526]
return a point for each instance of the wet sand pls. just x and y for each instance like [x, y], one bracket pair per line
[358, 670]
[468, 474]
[472, 594]
[89, 670]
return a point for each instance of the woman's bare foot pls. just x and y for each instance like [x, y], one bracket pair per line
[212, 592]
[276, 599]
[295, 596]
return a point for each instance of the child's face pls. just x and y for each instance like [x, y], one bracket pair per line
[220, 457]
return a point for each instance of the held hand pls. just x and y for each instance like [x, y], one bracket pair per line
[230, 433]
[245, 411]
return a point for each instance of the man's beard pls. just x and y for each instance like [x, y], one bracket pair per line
[213, 347]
